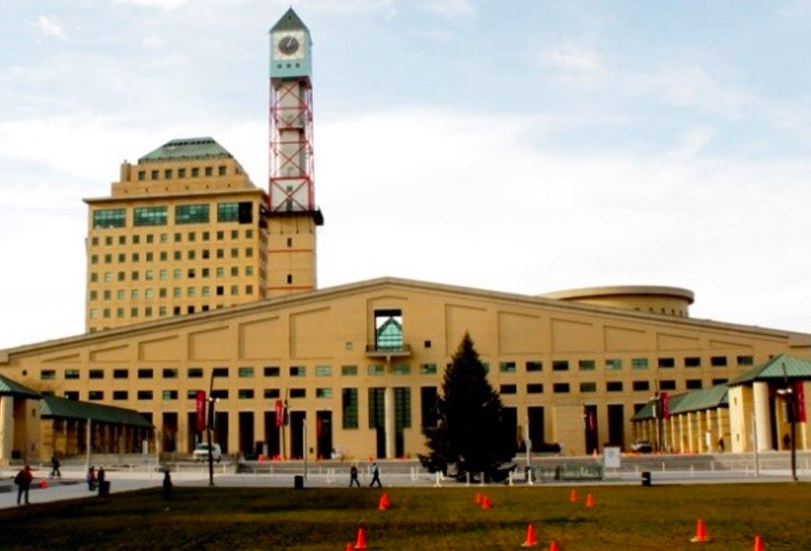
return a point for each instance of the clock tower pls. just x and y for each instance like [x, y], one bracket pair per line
[292, 213]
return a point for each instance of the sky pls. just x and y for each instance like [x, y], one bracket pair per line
[526, 146]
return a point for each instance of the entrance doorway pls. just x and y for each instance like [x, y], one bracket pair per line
[169, 440]
[297, 419]
[616, 425]
[246, 432]
[220, 435]
[272, 435]
[323, 434]
[535, 429]
[592, 434]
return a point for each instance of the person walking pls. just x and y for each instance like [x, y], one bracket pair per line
[353, 476]
[23, 482]
[91, 478]
[100, 477]
[55, 468]
[167, 485]
[375, 475]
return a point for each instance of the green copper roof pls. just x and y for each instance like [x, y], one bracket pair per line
[778, 368]
[188, 148]
[290, 21]
[72, 409]
[698, 400]
[10, 388]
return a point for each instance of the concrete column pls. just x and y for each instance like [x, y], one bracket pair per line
[6, 427]
[763, 426]
[388, 402]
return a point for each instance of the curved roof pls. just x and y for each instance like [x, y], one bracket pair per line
[10, 388]
[697, 400]
[779, 368]
[187, 148]
[623, 290]
[63, 408]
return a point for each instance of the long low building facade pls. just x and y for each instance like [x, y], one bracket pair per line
[355, 370]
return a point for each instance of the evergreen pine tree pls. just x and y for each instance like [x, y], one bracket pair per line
[468, 434]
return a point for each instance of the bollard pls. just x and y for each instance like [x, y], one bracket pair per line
[663, 466]
[692, 471]
[510, 478]
[467, 479]
[481, 481]
[438, 484]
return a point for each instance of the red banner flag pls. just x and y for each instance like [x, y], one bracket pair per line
[201, 410]
[664, 399]
[799, 397]
[279, 413]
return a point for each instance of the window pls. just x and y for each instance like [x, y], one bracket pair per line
[170, 373]
[72, 394]
[234, 212]
[718, 361]
[375, 369]
[349, 408]
[587, 365]
[271, 371]
[150, 216]
[191, 214]
[667, 384]
[560, 365]
[349, 370]
[427, 369]
[613, 364]
[298, 371]
[245, 372]
[96, 374]
[245, 394]
[719, 381]
[169, 395]
[693, 361]
[506, 367]
[588, 387]
[144, 394]
[121, 373]
[71, 374]
[323, 393]
[667, 363]
[47, 374]
[271, 393]
[639, 363]
[120, 395]
[323, 370]
[220, 372]
[145, 373]
[221, 170]
[298, 392]
[109, 218]
[95, 395]
[220, 393]
[401, 369]
[508, 389]
[535, 388]
[614, 386]
[560, 388]
[692, 384]
[640, 386]
[388, 329]
[532, 366]
[402, 407]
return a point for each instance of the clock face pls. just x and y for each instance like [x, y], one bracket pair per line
[289, 45]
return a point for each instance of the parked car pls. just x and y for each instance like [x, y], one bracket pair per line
[642, 446]
[200, 452]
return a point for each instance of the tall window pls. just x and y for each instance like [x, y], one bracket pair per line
[349, 407]
[235, 212]
[377, 410]
[428, 403]
[109, 218]
[402, 407]
[388, 329]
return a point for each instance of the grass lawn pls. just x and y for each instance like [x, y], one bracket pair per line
[624, 518]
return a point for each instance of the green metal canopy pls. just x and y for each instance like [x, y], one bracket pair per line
[290, 21]
[10, 388]
[62, 408]
[187, 148]
[698, 400]
[778, 369]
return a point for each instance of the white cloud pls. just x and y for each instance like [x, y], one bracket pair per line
[162, 4]
[574, 62]
[49, 26]
[450, 8]
[693, 140]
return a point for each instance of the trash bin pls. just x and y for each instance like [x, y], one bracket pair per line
[646, 478]
[298, 482]
[104, 488]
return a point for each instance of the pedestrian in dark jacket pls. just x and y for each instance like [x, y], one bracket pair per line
[23, 482]
[375, 475]
[91, 478]
[55, 473]
[353, 476]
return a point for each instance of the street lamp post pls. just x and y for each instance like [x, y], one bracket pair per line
[789, 396]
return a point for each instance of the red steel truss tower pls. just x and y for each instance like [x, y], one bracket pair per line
[292, 213]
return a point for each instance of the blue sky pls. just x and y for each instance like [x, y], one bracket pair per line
[524, 146]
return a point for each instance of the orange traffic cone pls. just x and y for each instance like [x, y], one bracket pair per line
[758, 544]
[43, 484]
[701, 533]
[478, 498]
[349, 547]
[530, 541]
[382, 504]
[553, 545]
[590, 501]
[485, 503]
[573, 496]
[361, 543]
